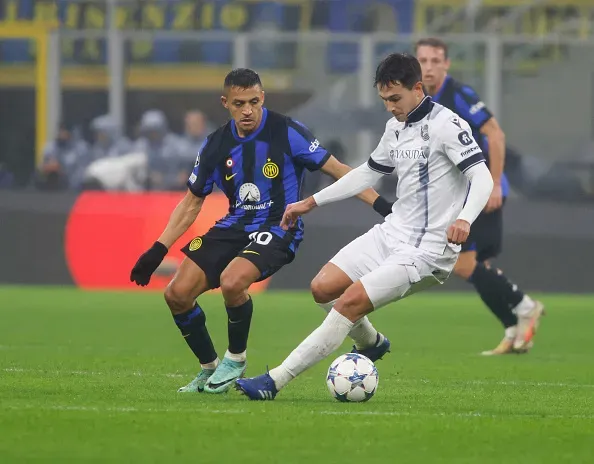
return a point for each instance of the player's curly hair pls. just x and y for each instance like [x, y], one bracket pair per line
[401, 68]
[243, 78]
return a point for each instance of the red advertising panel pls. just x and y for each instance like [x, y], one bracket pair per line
[107, 232]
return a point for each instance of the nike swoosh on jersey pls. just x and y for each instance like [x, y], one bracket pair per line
[252, 252]
[229, 177]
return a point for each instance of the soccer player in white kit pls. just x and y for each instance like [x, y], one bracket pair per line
[432, 151]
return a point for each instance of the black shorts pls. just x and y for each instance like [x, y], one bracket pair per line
[486, 235]
[213, 252]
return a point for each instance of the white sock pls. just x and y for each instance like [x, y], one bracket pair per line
[511, 332]
[319, 344]
[327, 306]
[211, 365]
[281, 376]
[237, 357]
[363, 333]
[524, 307]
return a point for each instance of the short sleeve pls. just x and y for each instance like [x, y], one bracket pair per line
[470, 107]
[305, 147]
[380, 160]
[201, 180]
[459, 144]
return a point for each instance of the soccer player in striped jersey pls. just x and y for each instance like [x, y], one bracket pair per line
[517, 312]
[258, 160]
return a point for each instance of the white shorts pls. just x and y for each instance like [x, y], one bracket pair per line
[391, 271]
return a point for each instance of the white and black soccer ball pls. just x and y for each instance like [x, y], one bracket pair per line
[352, 377]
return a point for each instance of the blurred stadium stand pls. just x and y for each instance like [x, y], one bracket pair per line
[316, 58]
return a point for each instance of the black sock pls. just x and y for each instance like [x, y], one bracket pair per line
[240, 318]
[497, 292]
[192, 325]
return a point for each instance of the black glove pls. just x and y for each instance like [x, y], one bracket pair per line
[382, 206]
[147, 264]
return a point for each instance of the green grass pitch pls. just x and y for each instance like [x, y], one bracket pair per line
[92, 377]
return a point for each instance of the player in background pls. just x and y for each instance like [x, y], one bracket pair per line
[519, 314]
[434, 156]
[258, 159]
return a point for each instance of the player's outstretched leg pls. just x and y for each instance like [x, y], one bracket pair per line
[349, 308]
[326, 287]
[389, 281]
[190, 282]
[518, 313]
[235, 282]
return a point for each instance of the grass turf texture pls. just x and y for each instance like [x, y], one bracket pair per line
[92, 377]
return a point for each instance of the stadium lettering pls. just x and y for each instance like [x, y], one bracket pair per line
[187, 15]
[147, 15]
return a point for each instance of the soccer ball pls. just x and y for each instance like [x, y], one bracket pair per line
[352, 377]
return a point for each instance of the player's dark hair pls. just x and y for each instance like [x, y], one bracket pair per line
[433, 42]
[243, 78]
[398, 67]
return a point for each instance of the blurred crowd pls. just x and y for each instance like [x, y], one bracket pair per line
[157, 158]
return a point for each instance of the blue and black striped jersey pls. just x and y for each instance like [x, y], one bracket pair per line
[260, 174]
[464, 101]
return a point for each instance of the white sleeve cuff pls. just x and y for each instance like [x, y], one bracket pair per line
[481, 186]
[351, 184]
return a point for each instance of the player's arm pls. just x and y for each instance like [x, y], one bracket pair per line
[200, 184]
[470, 107]
[461, 148]
[492, 130]
[352, 183]
[182, 217]
[337, 170]
[481, 186]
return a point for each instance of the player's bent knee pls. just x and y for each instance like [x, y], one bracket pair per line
[178, 300]
[232, 284]
[354, 303]
[329, 284]
[320, 291]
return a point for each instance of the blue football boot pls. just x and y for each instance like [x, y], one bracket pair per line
[376, 351]
[257, 388]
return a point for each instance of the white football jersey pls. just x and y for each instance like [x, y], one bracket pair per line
[429, 153]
